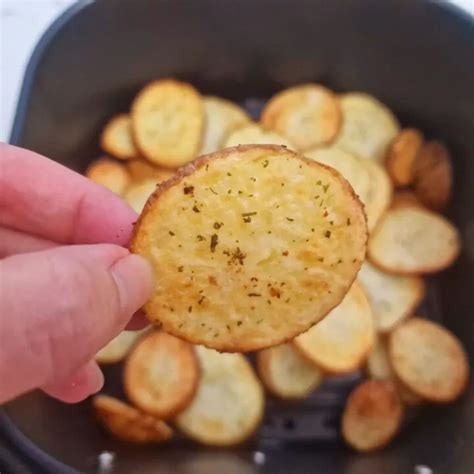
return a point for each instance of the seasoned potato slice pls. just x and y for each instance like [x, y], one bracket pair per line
[110, 174]
[253, 134]
[429, 360]
[401, 156]
[392, 297]
[341, 342]
[117, 138]
[380, 194]
[140, 170]
[379, 368]
[250, 246]
[137, 194]
[229, 404]
[307, 115]
[118, 348]
[129, 424]
[368, 126]
[412, 240]
[161, 375]
[222, 116]
[433, 175]
[372, 416]
[286, 373]
[168, 122]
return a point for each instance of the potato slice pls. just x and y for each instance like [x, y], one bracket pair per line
[161, 375]
[372, 416]
[392, 297]
[433, 175]
[401, 156]
[119, 347]
[380, 194]
[140, 170]
[110, 174]
[286, 373]
[412, 240]
[379, 368]
[116, 138]
[253, 134]
[341, 342]
[137, 194]
[307, 115]
[429, 360]
[229, 404]
[168, 122]
[222, 116]
[368, 126]
[250, 246]
[129, 424]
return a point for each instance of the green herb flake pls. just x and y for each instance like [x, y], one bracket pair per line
[171, 233]
[348, 222]
[325, 188]
[218, 225]
[327, 234]
[195, 209]
[254, 295]
[200, 238]
[229, 174]
[214, 242]
[265, 163]
[180, 269]
[239, 323]
[212, 191]
[290, 219]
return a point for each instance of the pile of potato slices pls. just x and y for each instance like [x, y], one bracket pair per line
[171, 379]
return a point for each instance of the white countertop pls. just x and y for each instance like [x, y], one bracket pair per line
[22, 22]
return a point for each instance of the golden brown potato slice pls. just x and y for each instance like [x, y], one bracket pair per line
[110, 174]
[392, 297]
[286, 373]
[253, 134]
[129, 424]
[401, 156]
[368, 126]
[433, 175]
[229, 403]
[379, 368]
[380, 194]
[116, 138]
[412, 240]
[250, 246]
[161, 375]
[119, 347]
[222, 116]
[137, 194]
[341, 342]
[429, 360]
[307, 115]
[372, 416]
[140, 170]
[168, 122]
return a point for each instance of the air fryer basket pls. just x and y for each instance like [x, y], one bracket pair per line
[416, 56]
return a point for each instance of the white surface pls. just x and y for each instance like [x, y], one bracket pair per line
[22, 22]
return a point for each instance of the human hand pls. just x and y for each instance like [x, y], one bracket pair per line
[67, 284]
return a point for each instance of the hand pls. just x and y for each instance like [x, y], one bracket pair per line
[67, 284]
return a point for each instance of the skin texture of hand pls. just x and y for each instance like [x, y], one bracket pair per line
[68, 285]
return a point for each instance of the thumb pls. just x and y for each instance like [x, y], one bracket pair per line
[58, 307]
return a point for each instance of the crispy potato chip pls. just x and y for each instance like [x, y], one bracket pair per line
[392, 297]
[253, 134]
[222, 116]
[286, 373]
[140, 170]
[137, 194]
[117, 138]
[110, 174]
[307, 115]
[412, 240]
[433, 175]
[167, 122]
[380, 194]
[161, 375]
[372, 416]
[251, 246]
[368, 126]
[119, 347]
[229, 403]
[341, 342]
[129, 424]
[401, 156]
[429, 360]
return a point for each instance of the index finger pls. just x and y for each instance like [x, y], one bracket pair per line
[46, 199]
